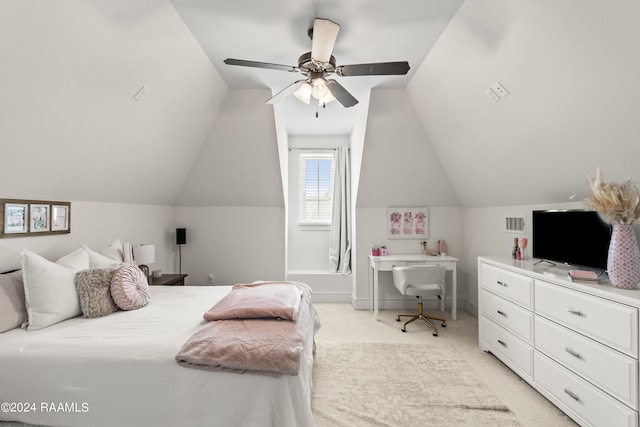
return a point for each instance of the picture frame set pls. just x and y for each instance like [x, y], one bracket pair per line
[407, 222]
[22, 218]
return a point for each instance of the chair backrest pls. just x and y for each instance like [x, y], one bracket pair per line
[418, 275]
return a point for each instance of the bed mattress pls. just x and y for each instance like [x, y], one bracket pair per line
[120, 370]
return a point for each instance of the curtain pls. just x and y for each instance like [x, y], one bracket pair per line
[340, 239]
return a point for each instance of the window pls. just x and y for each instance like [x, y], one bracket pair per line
[316, 183]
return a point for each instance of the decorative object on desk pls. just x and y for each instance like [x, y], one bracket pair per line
[374, 250]
[384, 251]
[442, 247]
[156, 274]
[144, 255]
[514, 251]
[522, 243]
[407, 222]
[619, 204]
[181, 239]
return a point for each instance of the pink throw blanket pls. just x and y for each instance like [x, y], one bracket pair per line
[267, 345]
[262, 299]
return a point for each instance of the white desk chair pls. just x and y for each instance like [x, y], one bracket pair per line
[421, 281]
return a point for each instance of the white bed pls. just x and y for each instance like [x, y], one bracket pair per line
[120, 370]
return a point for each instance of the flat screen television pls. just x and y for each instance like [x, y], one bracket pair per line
[573, 237]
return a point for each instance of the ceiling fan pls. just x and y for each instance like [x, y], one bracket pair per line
[318, 64]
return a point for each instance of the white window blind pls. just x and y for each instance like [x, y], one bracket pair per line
[316, 183]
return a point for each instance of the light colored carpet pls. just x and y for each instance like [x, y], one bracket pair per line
[378, 384]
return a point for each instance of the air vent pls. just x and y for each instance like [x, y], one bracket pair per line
[514, 224]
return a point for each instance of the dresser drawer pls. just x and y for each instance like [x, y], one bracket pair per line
[509, 315]
[512, 286]
[608, 369]
[591, 405]
[507, 347]
[611, 323]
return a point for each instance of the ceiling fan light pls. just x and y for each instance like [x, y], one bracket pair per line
[320, 89]
[304, 93]
[327, 99]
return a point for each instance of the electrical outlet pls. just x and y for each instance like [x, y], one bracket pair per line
[210, 278]
[499, 89]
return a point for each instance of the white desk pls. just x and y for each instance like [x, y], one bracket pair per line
[386, 263]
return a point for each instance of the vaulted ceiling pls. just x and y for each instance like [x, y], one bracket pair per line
[71, 127]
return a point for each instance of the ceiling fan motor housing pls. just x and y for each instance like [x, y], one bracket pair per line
[308, 65]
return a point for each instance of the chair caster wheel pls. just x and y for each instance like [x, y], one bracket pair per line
[403, 329]
[398, 319]
[444, 325]
[435, 334]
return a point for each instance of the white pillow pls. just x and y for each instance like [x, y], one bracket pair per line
[77, 260]
[49, 291]
[97, 260]
[114, 251]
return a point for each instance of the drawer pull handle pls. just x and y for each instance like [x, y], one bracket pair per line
[502, 283]
[502, 343]
[572, 395]
[573, 353]
[502, 313]
[574, 311]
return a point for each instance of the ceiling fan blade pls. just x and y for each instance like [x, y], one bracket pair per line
[341, 94]
[374, 69]
[280, 96]
[325, 33]
[242, 62]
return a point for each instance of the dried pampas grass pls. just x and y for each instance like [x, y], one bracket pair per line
[617, 203]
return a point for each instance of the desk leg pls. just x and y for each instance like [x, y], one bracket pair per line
[375, 295]
[454, 302]
[371, 273]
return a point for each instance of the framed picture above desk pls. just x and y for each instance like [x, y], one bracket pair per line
[386, 263]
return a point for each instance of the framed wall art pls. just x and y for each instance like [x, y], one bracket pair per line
[23, 218]
[59, 217]
[38, 218]
[407, 223]
[15, 218]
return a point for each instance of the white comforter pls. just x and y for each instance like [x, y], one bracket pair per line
[120, 370]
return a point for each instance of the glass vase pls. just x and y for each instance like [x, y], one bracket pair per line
[623, 262]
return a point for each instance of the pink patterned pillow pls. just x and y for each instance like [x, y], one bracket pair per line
[129, 288]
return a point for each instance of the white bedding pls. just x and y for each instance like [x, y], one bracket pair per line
[120, 370]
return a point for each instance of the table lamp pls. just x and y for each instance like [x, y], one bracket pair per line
[143, 255]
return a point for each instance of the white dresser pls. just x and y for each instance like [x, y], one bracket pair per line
[577, 344]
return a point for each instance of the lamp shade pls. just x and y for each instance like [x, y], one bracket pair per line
[144, 254]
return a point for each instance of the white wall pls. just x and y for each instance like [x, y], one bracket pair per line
[97, 225]
[445, 223]
[572, 72]
[485, 236]
[236, 244]
[70, 128]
